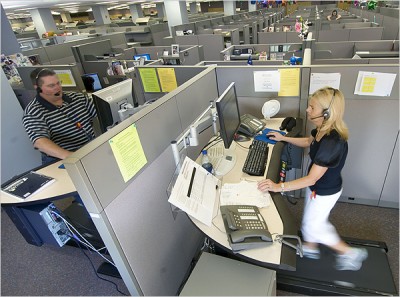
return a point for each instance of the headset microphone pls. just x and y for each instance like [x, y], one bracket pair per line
[321, 116]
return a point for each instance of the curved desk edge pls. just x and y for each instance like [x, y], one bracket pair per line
[288, 255]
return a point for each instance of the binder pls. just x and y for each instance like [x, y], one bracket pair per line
[28, 184]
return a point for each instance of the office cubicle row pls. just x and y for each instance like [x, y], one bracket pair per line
[280, 52]
[58, 54]
[356, 52]
[129, 205]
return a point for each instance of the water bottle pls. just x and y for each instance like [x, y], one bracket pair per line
[205, 162]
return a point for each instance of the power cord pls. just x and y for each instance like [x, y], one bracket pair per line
[95, 271]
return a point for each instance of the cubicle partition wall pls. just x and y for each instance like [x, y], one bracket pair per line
[70, 75]
[151, 88]
[151, 245]
[212, 44]
[371, 173]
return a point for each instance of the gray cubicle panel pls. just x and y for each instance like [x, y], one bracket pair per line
[182, 74]
[25, 72]
[369, 157]
[339, 61]
[362, 34]
[339, 49]
[89, 51]
[183, 27]
[271, 37]
[151, 246]
[187, 39]
[159, 32]
[251, 101]
[391, 28]
[334, 35]
[41, 52]
[377, 45]
[212, 45]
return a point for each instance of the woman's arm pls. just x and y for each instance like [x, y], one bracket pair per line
[297, 141]
[313, 176]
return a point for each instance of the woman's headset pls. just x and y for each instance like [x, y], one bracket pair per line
[326, 113]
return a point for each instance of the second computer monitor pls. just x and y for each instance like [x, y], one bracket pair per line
[138, 56]
[92, 82]
[228, 114]
[110, 100]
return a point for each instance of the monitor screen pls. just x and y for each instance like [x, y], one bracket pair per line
[228, 114]
[92, 82]
[138, 56]
[110, 100]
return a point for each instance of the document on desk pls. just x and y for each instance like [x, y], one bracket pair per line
[195, 192]
[244, 193]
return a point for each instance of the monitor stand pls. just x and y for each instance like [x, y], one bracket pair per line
[223, 160]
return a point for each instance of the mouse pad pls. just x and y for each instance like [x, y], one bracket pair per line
[264, 138]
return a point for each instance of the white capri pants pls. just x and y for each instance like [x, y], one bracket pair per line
[315, 226]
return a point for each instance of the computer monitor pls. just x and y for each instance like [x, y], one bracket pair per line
[110, 100]
[228, 114]
[92, 82]
[138, 56]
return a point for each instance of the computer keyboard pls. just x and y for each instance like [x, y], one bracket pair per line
[256, 160]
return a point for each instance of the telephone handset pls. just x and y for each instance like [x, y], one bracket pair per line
[245, 227]
[250, 125]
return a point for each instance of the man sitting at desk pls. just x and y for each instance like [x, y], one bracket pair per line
[57, 123]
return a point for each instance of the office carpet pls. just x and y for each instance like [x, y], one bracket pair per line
[51, 271]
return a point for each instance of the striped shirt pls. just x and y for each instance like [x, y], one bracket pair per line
[69, 126]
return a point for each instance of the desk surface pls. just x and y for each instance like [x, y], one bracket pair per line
[62, 187]
[270, 254]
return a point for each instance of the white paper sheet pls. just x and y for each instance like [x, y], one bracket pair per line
[374, 83]
[321, 80]
[267, 81]
[244, 193]
[195, 192]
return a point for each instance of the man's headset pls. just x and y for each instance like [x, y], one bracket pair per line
[38, 76]
[326, 113]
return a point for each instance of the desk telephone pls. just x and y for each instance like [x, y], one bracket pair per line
[245, 227]
[250, 125]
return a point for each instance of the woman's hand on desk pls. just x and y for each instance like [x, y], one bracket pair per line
[275, 136]
[268, 185]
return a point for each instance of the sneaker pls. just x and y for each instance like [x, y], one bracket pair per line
[351, 260]
[310, 253]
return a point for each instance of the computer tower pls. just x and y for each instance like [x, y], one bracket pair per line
[39, 223]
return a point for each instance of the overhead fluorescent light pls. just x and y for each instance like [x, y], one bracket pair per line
[55, 13]
[66, 4]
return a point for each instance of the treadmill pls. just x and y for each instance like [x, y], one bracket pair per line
[319, 277]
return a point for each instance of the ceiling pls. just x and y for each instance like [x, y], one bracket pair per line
[72, 6]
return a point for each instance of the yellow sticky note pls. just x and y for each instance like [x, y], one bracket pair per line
[290, 82]
[128, 152]
[149, 80]
[368, 84]
[66, 78]
[167, 79]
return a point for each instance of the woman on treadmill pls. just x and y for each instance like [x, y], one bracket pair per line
[323, 183]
